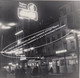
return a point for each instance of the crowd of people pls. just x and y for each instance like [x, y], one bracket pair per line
[25, 73]
[29, 72]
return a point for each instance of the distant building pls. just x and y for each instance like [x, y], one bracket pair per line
[70, 15]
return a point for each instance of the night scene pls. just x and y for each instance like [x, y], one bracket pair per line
[39, 39]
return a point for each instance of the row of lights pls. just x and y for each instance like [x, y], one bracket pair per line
[7, 26]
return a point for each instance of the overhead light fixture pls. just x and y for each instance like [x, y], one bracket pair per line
[18, 42]
[12, 24]
[78, 35]
[9, 63]
[32, 48]
[26, 50]
[61, 51]
[0, 23]
[5, 27]
[69, 38]
[19, 32]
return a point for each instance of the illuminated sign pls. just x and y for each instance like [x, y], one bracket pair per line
[22, 57]
[18, 42]
[61, 51]
[22, 5]
[27, 12]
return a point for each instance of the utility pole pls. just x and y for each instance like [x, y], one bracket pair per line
[77, 50]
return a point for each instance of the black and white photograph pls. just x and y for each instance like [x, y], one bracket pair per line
[39, 39]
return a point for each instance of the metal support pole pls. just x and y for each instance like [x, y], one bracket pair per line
[65, 63]
[1, 47]
[77, 50]
[1, 41]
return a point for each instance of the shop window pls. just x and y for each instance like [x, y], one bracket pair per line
[72, 45]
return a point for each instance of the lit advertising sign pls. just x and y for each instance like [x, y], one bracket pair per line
[22, 5]
[27, 12]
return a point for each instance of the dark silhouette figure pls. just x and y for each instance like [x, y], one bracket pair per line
[28, 72]
[51, 70]
[22, 73]
[58, 70]
[4, 73]
[35, 71]
[17, 73]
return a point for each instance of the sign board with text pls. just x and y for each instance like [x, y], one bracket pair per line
[27, 12]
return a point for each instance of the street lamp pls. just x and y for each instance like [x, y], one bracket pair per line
[11, 24]
[0, 23]
[21, 31]
[29, 49]
[4, 27]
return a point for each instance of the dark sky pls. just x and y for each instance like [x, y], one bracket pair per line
[48, 13]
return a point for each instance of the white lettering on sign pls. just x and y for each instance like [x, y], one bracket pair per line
[27, 11]
[22, 5]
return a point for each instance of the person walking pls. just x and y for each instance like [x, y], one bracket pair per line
[35, 71]
[22, 73]
[28, 72]
[17, 72]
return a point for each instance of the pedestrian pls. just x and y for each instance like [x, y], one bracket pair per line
[22, 73]
[51, 70]
[35, 71]
[4, 73]
[28, 72]
[17, 72]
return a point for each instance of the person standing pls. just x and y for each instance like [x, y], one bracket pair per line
[17, 72]
[35, 71]
[28, 72]
[22, 73]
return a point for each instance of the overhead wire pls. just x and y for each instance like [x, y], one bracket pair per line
[39, 37]
[39, 46]
[33, 36]
[42, 45]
